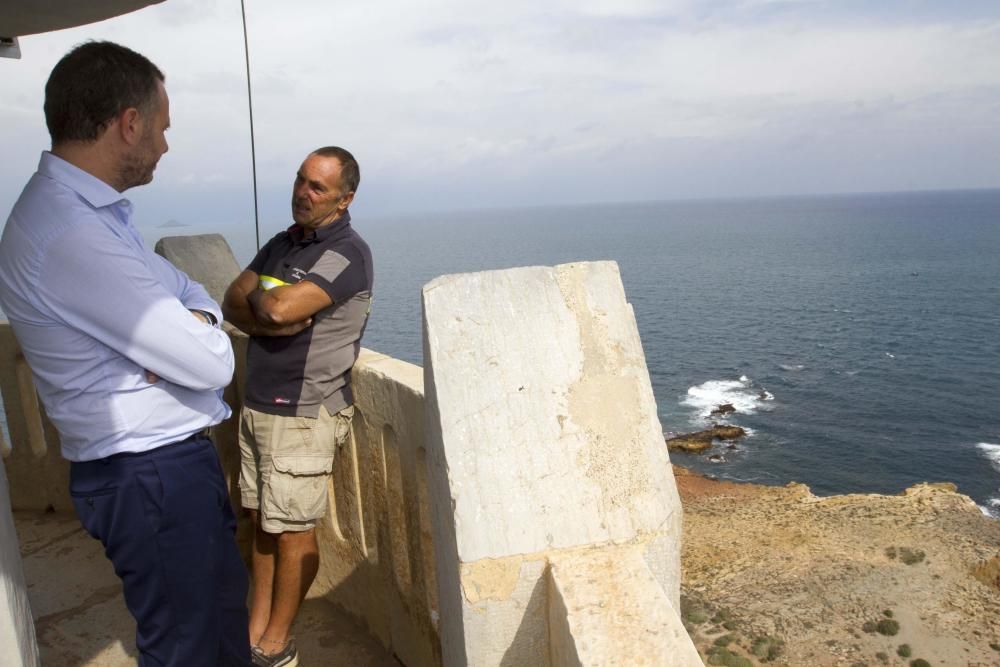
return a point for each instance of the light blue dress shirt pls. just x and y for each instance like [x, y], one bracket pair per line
[93, 309]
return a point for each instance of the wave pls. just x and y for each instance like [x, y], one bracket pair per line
[742, 394]
[991, 452]
[793, 368]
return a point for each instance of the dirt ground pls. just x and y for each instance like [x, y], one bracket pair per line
[778, 576]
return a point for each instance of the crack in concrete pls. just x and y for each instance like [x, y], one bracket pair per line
[101, 595]
[26, 553]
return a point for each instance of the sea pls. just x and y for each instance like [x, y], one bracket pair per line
[856, 336]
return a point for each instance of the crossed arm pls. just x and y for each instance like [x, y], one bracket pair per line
[281, 311]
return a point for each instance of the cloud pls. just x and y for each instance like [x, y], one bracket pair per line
[449, 103]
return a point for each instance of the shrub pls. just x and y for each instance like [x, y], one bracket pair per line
[910, 556]
[904, 651]
[919, 662]
[870, 626]
[718, 656]
[882, 657]
[696, 616]
[888, 627]
[766, 648]
[887, 613]
[724, 640]
[722, 615]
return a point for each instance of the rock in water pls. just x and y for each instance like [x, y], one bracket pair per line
[702, 440]
[724, 409]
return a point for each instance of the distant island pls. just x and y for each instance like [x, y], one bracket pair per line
[173, 223]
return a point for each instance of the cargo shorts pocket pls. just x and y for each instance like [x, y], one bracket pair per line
[297, 488]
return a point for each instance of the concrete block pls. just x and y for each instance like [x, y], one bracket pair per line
[542, 436]
[205, 258]
[17, 630]
[608, 610]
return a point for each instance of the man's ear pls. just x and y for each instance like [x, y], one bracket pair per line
[345, 201]
[130, 126]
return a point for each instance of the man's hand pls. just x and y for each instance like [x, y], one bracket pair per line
[260, 329]
[254, 311]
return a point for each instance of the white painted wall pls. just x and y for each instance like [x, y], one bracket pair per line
[17, 629]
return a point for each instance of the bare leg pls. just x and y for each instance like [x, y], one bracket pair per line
[264, 548]
[296, 566]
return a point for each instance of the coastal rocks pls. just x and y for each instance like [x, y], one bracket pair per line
[724, 409]
[702, 440]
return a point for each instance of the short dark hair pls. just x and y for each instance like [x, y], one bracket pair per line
[350, 172]
[94, 83]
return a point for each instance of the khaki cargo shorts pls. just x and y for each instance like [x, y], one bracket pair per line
[285, 465]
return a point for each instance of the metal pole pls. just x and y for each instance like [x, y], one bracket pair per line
[253, 150]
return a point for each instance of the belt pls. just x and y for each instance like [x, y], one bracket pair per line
[203, 433]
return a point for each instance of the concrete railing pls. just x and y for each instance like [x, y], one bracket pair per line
[524, 515]
[375, 541]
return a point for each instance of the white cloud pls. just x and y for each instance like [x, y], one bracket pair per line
[444, 94]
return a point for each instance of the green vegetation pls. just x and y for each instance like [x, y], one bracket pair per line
[906, 554]
[766, 648]
[995, 646]
[724, 640]
[888, 627]
[904, 651]
[724, 617]
[882, 657]
[887, 613]
[919, 662]
[696, 616]
[870, 627]
[727, 658]
[692, 612]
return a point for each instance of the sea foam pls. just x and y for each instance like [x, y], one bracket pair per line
[992, 453]
[741, 394]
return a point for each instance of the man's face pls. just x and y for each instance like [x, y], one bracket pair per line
[139, 164]
[317, 196]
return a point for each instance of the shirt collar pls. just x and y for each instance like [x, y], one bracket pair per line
[97, 193]
[324, 232]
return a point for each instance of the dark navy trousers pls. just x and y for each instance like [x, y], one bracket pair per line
[166, 524]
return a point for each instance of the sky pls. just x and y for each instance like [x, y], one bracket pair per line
[468, 104]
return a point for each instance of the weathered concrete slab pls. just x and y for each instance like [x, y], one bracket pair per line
[608, 609]
[205, 258]
[542, 436]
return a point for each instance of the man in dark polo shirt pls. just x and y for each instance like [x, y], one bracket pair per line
[304, 300]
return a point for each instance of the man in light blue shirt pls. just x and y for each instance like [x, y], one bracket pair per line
[128, 359]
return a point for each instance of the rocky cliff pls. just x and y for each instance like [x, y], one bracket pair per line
[778, 576]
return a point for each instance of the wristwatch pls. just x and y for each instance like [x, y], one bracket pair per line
[209, 316]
